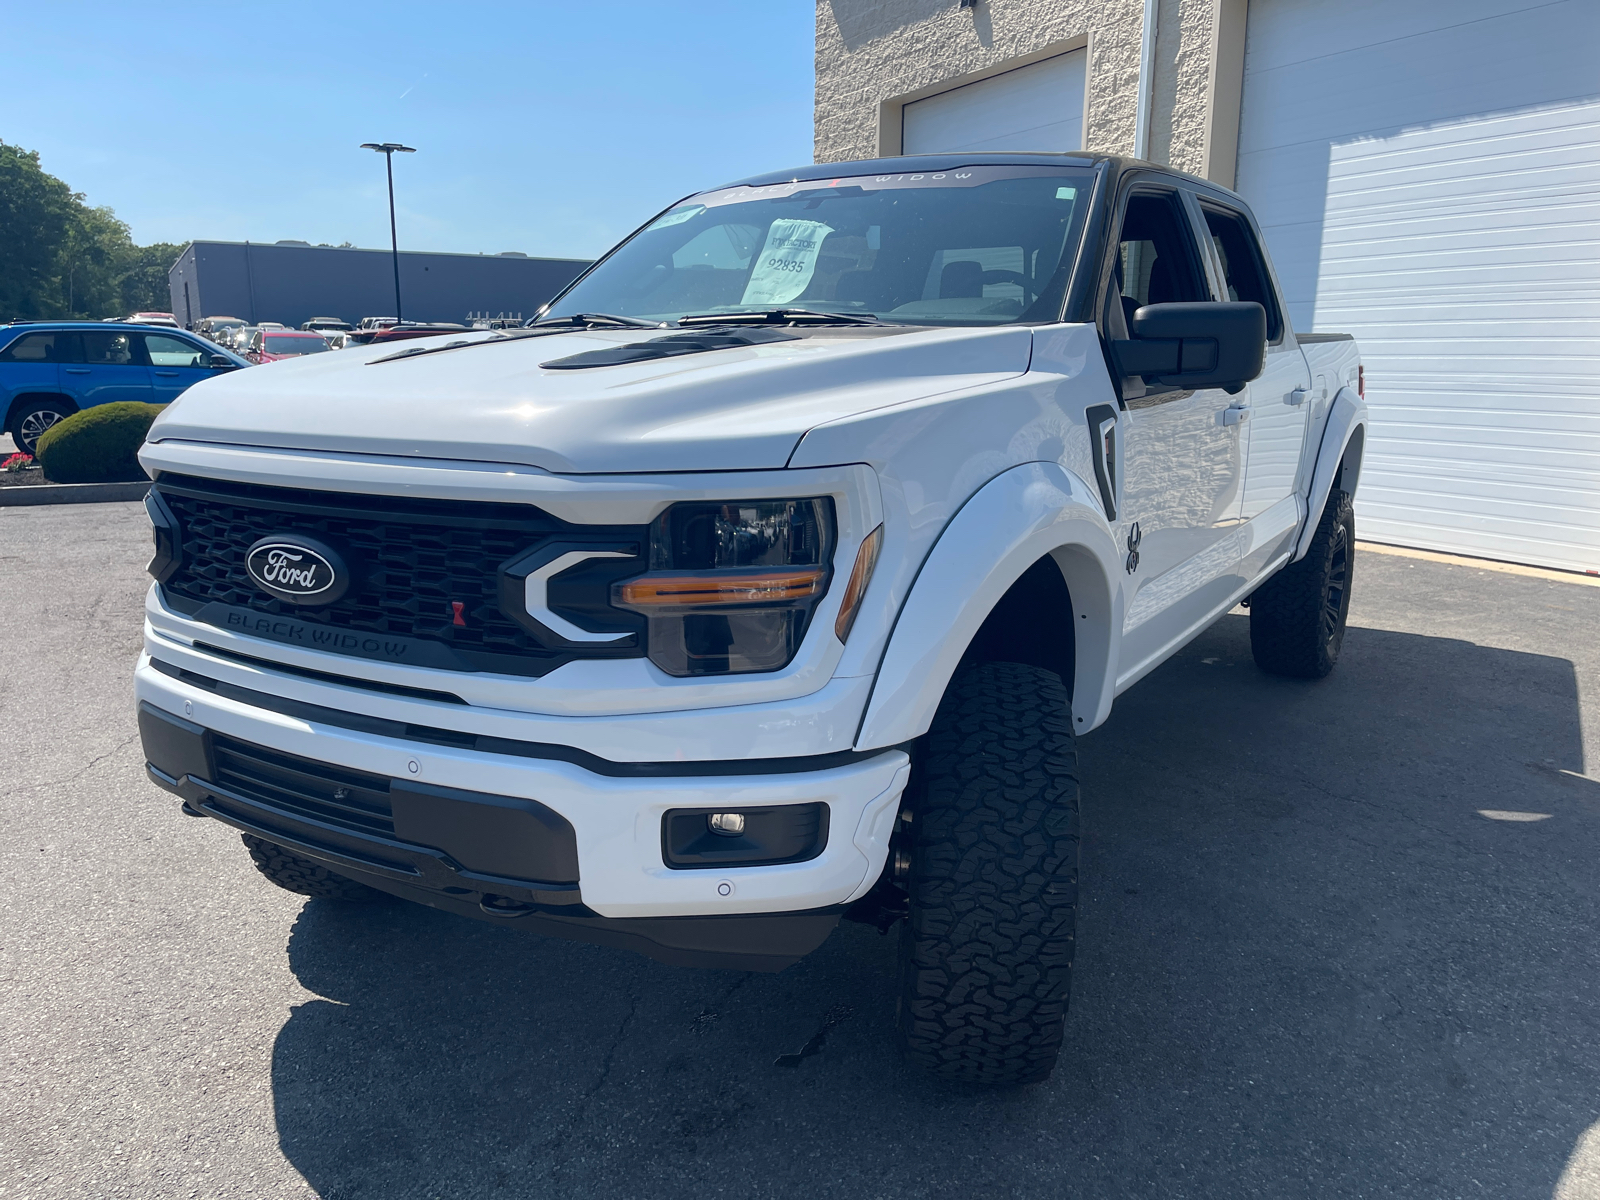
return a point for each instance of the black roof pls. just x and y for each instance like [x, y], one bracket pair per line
[1116, 163]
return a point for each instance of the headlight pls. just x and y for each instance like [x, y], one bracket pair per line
[731, 587]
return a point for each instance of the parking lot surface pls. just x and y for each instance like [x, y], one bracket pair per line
[1337, 939]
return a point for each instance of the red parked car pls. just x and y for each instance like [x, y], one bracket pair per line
[269, 345]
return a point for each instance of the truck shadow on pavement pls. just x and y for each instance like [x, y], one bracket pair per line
[1309, 966]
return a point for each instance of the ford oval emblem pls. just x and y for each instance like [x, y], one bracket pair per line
[298, 569]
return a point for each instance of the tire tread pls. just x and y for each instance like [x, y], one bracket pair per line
[304, 876]
[1286, 611]
[987, 950]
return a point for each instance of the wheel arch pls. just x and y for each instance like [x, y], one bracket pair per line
[1339, 458]
[993, 558]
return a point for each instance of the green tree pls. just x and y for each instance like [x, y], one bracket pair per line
[36, 210]
[96, 256]
[144, 287]
[61, 258]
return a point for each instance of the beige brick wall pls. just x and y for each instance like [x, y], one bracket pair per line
[873, 54]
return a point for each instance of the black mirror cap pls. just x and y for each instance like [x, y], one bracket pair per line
[221, 362]
[1196, 344]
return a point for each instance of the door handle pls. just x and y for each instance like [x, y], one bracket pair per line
[1234, 414]
[76, 370]
[167, 374]
[1297, 397]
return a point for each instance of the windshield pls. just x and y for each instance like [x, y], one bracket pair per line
[983, 245]
[313, 344]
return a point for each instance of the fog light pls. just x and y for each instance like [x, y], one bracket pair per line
[753, 837]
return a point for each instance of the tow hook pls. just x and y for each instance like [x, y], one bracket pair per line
[504, 906]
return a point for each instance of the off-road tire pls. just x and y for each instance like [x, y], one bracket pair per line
[1297, 618]
[986, 953]
[304, 876]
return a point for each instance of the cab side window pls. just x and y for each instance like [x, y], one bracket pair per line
[1156, 263]
[1242, 267]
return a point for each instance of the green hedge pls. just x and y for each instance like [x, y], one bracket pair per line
[98, 445]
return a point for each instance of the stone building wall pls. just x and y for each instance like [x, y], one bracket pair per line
[873, 55]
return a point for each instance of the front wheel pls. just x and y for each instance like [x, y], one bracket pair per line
[305, 876]
[1297, 618]
[986, 952]
[33, 420]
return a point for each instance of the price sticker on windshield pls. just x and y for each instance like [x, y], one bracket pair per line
[787, 262]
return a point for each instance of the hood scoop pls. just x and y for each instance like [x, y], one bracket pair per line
[699, 342]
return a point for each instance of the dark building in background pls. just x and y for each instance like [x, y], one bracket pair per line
[293, 282]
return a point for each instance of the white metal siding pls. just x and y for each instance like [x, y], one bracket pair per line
[1428, 179]
[1037, 107]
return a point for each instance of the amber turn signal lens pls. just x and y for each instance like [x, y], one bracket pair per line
[860, 576]
[699, 590]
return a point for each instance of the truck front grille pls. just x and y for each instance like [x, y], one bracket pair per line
[427, 569]
[299, 787]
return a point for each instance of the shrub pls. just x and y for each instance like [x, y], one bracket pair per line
[98, 445]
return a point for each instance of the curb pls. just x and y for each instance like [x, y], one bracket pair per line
[1553, 574]
[72, 493]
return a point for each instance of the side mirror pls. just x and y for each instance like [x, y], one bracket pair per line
[220, 362]
[1196, 344]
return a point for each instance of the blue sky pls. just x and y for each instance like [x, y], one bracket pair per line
[551, 128]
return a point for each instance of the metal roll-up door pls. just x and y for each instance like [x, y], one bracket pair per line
[1428, 179]
[1037, 107]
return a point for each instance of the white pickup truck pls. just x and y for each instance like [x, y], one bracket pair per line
[764, 579]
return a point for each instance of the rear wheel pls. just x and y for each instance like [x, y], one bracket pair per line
[33, 419]
[1297, 618]
[986, 953]
[306, 876]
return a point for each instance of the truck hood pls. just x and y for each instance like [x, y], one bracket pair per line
[731, 409]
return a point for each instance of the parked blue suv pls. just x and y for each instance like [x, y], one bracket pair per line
[52, 369]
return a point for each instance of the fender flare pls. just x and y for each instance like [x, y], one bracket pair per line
[1347, 425]
[1005, 527]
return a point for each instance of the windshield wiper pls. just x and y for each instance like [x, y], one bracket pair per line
[537, 329]
[780, 316]
[604, 320]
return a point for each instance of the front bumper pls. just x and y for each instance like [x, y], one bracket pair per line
[615, 822]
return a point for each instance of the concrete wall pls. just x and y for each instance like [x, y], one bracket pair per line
[873, 56]
[291, 284]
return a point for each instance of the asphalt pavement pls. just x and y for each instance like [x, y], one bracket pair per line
[1337, 939]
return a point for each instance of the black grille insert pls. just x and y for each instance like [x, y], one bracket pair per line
[427, 572]
[299, 787]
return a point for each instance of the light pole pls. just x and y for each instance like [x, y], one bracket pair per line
[389, 150]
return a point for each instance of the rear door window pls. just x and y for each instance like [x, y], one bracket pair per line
[1244, 270]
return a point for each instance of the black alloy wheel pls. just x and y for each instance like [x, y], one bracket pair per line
[1298, 617]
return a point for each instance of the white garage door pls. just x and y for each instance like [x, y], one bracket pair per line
[1037, 107]
[1428, 178]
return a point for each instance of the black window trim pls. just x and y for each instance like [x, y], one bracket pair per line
[1278, 312]
[1147, 183]
[1133, 183]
